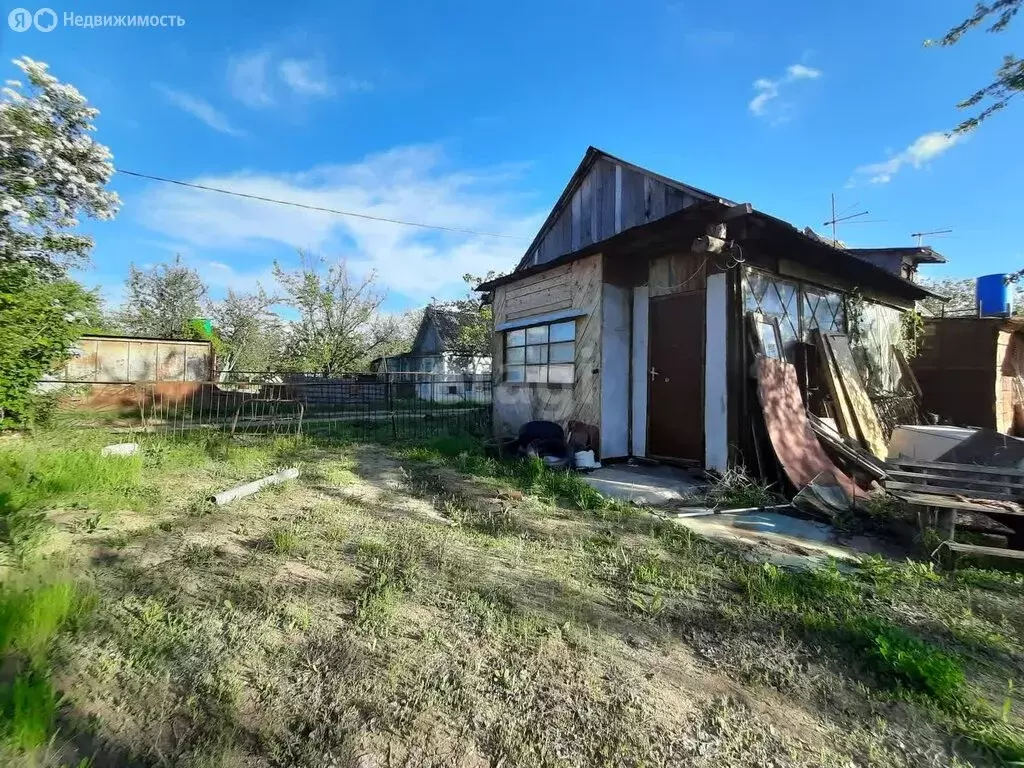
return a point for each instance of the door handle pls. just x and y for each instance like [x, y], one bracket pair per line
[653, 372]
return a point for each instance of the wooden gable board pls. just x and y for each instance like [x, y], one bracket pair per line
[606, 196]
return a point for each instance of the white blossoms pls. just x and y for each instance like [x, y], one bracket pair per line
[53, 169]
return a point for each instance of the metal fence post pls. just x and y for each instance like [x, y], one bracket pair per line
[390, 403]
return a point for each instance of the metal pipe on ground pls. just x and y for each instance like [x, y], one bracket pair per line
[241, 491]
[705, 511]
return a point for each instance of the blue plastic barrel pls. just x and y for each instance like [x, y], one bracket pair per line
[994, 297]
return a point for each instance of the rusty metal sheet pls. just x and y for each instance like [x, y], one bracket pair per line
[112, 360]
[799, 452]
[143, 360]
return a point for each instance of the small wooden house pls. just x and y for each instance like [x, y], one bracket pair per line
[440, 367]
[628, 314]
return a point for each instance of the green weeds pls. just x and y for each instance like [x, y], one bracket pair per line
[529, 475]
[32, 614]
[735, 489]
[914, 664]
[393, 568]
[285, 540]
[822, 591]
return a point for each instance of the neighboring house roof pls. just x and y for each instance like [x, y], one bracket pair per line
[449, 324]
[919, 254]
[440, 331]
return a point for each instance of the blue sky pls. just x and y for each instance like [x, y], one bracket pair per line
[475, 114]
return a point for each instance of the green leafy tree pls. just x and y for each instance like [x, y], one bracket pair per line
[162, 301]
[40, 319]
[250, 334]
[1009, 78]
[339, 327]
[398, 331]
[52, 173]
[476, 317]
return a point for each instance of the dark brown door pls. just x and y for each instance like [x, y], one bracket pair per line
[675, 395]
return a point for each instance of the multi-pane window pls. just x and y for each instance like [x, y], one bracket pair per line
[798, 308]
[541, 354]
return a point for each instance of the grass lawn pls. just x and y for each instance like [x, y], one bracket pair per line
[426, 606]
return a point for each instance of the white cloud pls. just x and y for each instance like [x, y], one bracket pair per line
[768, 90]
[264, 78]
[200, 109]
[407, 183]
[919, 153]
[802, 72]
[304, 77]
[247, 79]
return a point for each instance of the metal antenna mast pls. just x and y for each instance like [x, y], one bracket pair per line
[922, 235]
[840, 218]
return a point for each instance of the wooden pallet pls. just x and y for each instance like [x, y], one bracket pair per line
[947, 488]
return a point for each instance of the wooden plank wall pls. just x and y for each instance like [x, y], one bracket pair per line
[609, 199]
[586, 293]
[576, 286]
[958, 370]
[1007, 347]
[539, 294]
[677, 273]
[497, 340]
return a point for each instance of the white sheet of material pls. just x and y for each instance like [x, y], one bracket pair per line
[641, 313]
[614, 371]
[716, 407]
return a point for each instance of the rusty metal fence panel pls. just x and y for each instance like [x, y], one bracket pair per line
[372, 407]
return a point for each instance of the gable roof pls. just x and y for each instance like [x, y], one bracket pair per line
[811, 251]
[448, 322]
[814, 249]
[590, 157]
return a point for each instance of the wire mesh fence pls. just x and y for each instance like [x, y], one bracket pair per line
[372, 407]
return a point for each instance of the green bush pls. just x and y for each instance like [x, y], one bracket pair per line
[40, 319]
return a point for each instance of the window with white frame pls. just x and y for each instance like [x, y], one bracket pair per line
[541, 354]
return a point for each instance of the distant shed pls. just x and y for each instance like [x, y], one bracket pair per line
[971, 371]
[128, 359]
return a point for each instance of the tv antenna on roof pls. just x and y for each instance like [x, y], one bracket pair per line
[933, 233]
[844, 216]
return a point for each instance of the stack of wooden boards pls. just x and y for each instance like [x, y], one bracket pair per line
[855, 414]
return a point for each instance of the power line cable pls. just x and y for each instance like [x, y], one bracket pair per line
[335, 211]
